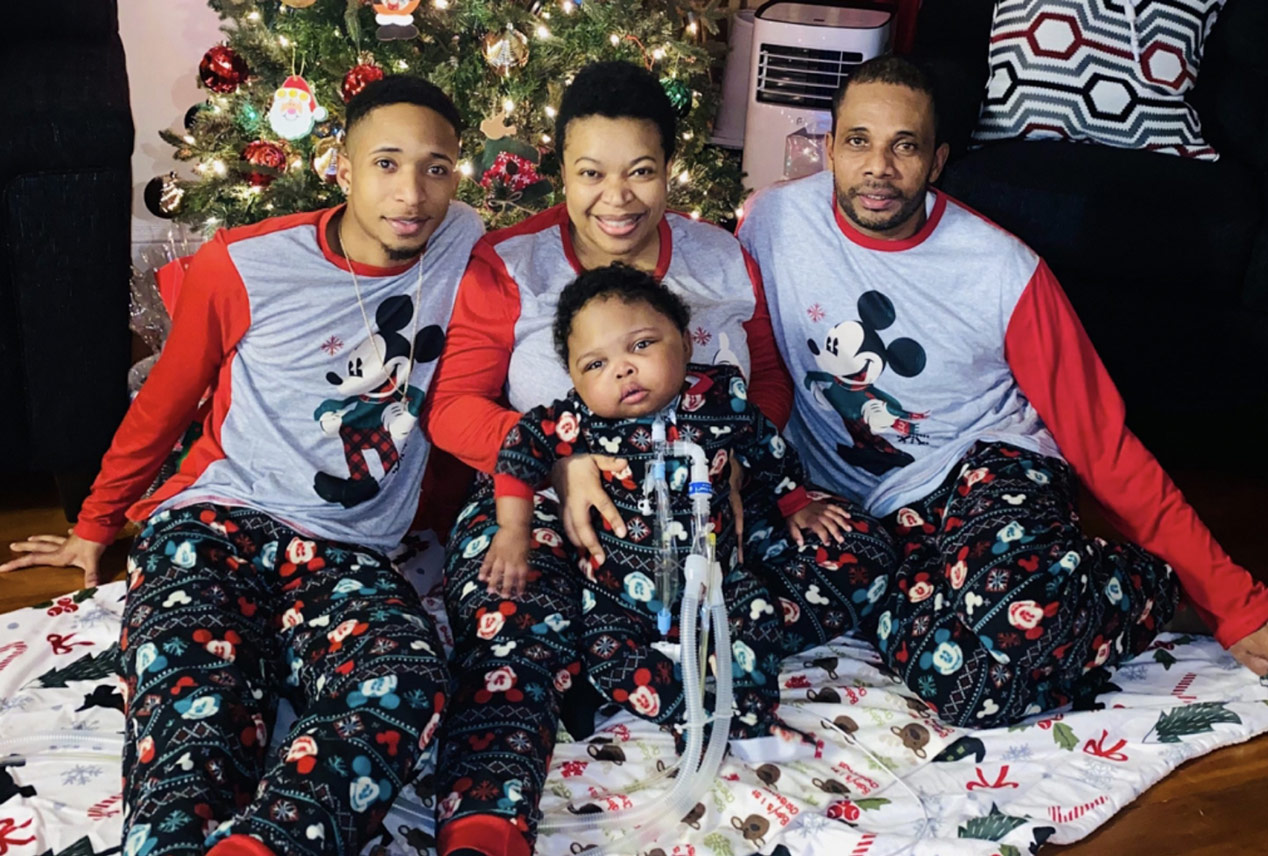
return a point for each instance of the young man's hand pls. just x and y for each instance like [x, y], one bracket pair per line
[505, 565]
[830, 522]
[59, 552]
[1252, 651]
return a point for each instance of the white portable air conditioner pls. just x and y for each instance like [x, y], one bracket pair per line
[800, 54]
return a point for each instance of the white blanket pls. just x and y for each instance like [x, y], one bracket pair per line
[901, 783]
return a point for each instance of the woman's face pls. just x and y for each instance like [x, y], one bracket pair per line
[615, 187]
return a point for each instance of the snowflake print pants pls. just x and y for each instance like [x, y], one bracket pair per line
[226, 610]
[822, 589]
[617, 637]
[512, 662]
[1000, 603]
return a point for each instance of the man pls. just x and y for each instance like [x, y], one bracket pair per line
[945, 382]
[260, 568]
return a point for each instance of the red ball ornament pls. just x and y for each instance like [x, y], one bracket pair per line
[358, 78]
[266, 154]
[222, 70]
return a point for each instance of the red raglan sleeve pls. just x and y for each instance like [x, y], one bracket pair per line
[1059, 371]
[466, 416]
[212, 314]
[770, 386]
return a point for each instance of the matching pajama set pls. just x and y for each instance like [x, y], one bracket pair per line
[946, 384]
[260, 571]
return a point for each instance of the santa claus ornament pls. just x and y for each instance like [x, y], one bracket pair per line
[295, 111]
[395, 19]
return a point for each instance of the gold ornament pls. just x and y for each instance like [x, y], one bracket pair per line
[325, 155]
[298, 4]
[506, 50]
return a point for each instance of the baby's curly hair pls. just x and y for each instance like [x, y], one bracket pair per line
[627, 284]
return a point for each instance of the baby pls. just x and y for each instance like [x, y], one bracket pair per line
[623, 338]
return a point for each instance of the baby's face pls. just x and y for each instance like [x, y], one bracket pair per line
[626, 359]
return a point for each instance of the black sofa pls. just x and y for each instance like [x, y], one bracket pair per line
[1165, 258]
[65, 208]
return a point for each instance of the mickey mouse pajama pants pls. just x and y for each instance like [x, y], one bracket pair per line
[227, 610]
[1000, 604]
[515, 659]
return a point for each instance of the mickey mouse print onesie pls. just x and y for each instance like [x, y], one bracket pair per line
[620, 599]
[261, 570]
[946, 383]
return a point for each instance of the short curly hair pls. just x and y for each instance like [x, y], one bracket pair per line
[401, 89]
[627, 284]
[618, 90]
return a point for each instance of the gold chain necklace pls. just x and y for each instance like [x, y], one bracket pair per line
[401, 390]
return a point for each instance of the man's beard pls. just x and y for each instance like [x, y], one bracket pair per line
[401, 254]
[910, 205]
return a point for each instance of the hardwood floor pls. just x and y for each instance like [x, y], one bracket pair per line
[1212, 805]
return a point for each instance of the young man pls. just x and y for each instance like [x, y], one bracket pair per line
[261, 566]
[945, 381]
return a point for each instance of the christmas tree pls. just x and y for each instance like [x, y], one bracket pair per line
[264, 141]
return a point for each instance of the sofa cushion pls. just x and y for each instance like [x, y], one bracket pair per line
[1147, 223]
[1095, 71]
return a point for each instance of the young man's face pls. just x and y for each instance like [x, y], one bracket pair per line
[399, 171]
[625, 359]
[615, 187]
[884, 157]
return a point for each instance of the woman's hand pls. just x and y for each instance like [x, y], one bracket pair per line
[578, 481]
[830, 522]
[1252, 651]
[505, 565]
[60, 552]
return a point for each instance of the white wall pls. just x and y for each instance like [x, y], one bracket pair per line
[164, 43]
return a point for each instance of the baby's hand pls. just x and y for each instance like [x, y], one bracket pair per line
[822, 518]
[505, 566]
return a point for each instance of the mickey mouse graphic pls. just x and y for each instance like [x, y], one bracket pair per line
[851, 360]
[372, 415]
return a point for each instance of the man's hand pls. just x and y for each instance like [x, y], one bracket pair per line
[59, 552]
[579, 484]
[830, 522]
[505, 565]
[1251, 651]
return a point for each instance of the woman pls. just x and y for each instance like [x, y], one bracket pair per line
[516, 650]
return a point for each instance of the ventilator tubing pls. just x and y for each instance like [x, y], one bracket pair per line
[701, 597]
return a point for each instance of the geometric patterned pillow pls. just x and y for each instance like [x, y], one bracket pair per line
[1113, 72]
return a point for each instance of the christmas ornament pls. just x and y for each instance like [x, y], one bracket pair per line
[163, 196]
[506, 49]
[192, 113]
[265, 154]
[509, 173]
[395, 19]
[295, 110]
[357, 78]
[222, 70]
[679, 95]
[329, 128]
[496, 127]
[249, 117]
[325, 159]
[298, 4]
